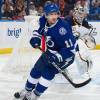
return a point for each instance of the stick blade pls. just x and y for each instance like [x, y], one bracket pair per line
[81, 84]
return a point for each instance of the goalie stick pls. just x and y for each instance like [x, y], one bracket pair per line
[67, 75]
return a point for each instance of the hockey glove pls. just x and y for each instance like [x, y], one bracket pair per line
[36, 40]
[54, 57]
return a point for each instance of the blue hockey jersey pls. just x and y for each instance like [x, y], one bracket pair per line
[59, 36]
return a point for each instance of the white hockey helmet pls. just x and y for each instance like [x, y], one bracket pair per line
[80, 13]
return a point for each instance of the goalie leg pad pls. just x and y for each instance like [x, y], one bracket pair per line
[83, 64]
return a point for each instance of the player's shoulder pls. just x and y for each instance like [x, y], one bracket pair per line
[63, 22]
[68, 18]
[64, 26]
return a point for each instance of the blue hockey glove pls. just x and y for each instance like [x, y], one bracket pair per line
[35, 40]
[63, 59]
[54, 57]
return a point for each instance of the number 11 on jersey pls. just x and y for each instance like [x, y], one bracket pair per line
[68, 43]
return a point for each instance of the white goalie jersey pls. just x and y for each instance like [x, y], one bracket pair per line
[85, 42]
[86, 35]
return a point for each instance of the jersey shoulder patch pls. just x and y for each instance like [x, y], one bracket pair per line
[62, 31]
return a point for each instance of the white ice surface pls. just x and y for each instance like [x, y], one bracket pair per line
[10, 83]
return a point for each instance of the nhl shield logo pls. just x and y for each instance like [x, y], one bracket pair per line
[62, 31]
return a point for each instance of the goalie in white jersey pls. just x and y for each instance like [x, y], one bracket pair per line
[85, 38]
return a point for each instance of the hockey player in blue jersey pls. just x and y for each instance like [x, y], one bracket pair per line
[60, 44]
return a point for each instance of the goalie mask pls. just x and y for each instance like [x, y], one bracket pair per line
[79, 14]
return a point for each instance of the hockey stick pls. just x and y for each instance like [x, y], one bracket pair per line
[67, 76]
